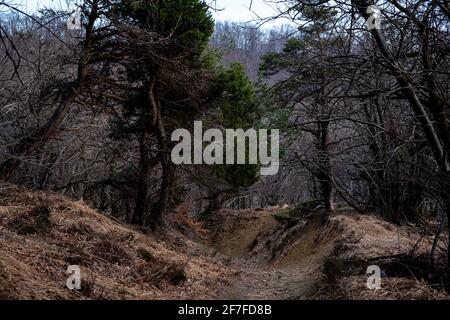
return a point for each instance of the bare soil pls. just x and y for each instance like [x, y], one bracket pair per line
[236, 255]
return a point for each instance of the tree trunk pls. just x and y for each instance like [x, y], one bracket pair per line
[448, 227]
[142, 198]
[446, 197]
[408, 90]
[42, 135]
[156, 218]
[324, 173]
[438, 144]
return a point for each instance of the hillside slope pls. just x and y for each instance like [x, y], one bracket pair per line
[42, 234]
[236, 255]
[317, 256]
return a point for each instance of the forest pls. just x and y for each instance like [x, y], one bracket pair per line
[350, 96]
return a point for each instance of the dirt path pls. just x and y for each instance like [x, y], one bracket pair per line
[239, 255]
[258, 278]
[262, 283]
[280, 260]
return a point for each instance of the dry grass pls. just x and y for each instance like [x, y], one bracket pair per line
[329, 256]
[43, 233]
[354, 288]
[182, 221]
[361, 241]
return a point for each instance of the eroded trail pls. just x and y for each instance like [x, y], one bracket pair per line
[314, 256]
[266, 254]
[240, 255]
[263, 284]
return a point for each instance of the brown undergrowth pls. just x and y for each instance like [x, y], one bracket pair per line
[42, 233]
[243, 254]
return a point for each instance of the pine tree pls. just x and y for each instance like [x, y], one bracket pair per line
[164, 43]
[238, 109]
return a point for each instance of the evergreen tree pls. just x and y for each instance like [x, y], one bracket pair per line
[238, 110]
[165, 42]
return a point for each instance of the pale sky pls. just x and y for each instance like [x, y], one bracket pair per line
[233, 10]
[239, 10]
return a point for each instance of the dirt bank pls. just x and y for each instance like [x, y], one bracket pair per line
[236, 255]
